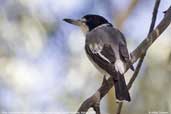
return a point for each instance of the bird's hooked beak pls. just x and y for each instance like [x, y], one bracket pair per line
[74, 22]
[80, 23]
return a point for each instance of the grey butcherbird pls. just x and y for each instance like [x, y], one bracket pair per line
[107, 49]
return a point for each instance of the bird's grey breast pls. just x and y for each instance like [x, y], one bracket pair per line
[95, 41]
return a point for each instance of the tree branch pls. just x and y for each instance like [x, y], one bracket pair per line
[154, 17]
[94, 100]
[142, 48]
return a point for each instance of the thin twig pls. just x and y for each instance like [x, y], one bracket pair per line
[140, 62]
[155, 11]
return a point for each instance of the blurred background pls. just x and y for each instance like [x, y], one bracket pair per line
[43, 66]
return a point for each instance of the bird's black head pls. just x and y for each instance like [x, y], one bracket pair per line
[92, 21]
[88, 22]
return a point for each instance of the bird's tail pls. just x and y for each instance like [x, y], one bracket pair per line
[121, 89]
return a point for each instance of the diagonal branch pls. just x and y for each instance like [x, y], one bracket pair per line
[94, 101]
[154, 17]
[155, 11]
[145, 44]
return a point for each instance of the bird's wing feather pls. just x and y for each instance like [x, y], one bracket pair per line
[108, 53]
[124, 52]
[125, 55]
[100, 61]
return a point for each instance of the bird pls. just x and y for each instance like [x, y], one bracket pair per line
[106, 48]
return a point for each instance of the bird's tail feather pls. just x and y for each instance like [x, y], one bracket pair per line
[121, 89]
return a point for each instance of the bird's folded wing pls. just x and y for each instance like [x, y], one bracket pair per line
[123, 52]
[103, 58]
[125, 55]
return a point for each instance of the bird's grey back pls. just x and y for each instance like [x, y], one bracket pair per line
[105, 34]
